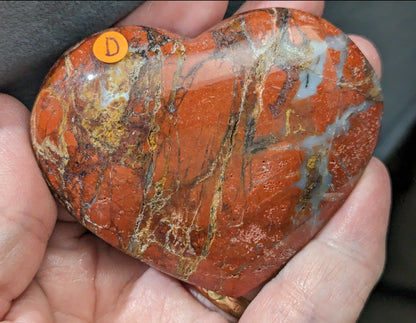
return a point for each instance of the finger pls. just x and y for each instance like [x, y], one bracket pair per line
[27, 209]
[31, 306]
[185, 18]
[370, 52]
[314, 7]
[330, 279]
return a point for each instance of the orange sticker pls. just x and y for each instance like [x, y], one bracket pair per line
[110, 47]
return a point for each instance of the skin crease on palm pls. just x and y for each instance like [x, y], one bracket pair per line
[53, 270]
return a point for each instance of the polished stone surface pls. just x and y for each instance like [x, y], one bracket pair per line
[213, 159]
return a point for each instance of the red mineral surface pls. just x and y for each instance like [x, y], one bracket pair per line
[212, 159]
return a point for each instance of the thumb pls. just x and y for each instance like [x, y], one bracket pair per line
[27, 209]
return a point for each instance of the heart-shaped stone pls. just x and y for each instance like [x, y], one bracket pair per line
[212, 159]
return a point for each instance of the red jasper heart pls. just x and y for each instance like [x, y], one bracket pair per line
[212, 159]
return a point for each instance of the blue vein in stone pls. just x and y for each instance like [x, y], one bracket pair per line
[311, 76]
[321, 145]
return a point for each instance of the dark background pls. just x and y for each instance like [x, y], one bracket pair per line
[33, 34]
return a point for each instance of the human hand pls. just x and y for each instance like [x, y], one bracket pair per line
[52, 269]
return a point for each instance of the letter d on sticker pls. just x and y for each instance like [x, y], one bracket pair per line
[110, 47]
[109, 41]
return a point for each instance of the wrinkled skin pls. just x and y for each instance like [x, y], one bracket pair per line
[53, 270]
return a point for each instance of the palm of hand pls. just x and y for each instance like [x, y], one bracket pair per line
[80, 278]
[109, 286]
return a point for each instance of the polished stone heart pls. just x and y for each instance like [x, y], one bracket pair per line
[213, 159]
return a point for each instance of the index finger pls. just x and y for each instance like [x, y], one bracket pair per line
[314, 7]
[185, 18]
